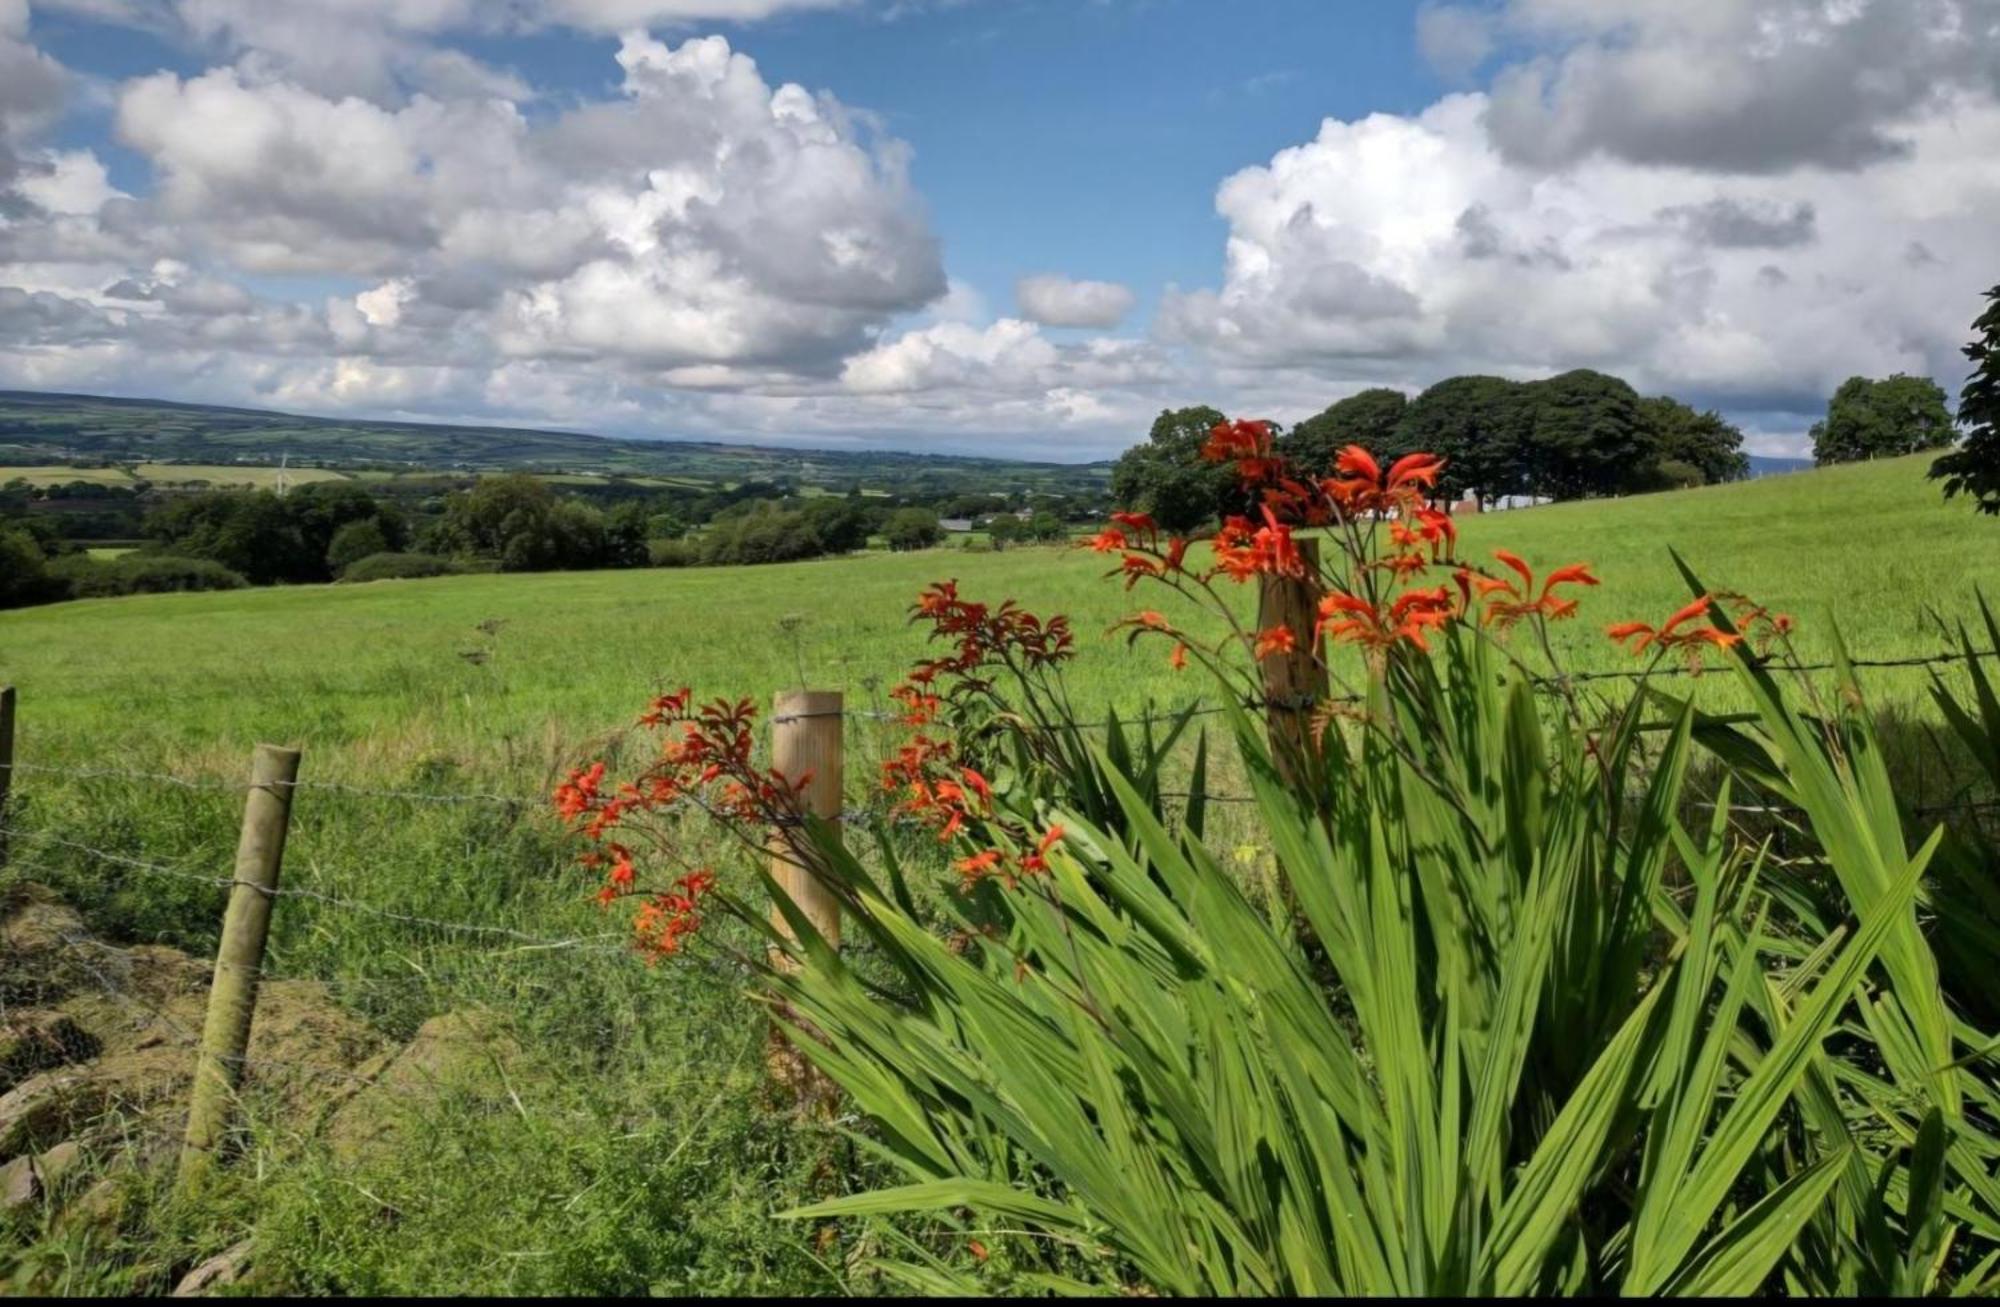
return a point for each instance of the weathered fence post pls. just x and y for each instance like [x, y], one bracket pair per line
[6, 762]
[232, 995]
[1295, 682]
[805, 740]
[806, 734]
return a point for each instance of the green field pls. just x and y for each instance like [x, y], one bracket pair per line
[375, 671]
[234, 474]
[634, 1155]
[61, 475]
[38, 427]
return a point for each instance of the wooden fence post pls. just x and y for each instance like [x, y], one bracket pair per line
[1293, 682]
[232, 995]
[806, 739]
[806, 734]
[6, 762]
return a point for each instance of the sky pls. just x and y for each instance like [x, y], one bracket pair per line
[1007, 227]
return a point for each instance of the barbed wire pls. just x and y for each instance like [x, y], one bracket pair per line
[241, 787]
[1147, 716]
[362, 907]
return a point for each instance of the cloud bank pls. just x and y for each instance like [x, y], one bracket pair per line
[1738, 201]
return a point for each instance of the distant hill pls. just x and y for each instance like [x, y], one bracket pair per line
[1762, 465]
[39, 427]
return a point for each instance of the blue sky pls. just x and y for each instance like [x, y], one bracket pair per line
[809, 221]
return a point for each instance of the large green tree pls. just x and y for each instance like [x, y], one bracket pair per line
[1479, 426]
[24, 577]
[1882, 419]
[1689, 448]
[519, 521]
[1168, 478]
[912, 528]
[1369, 419]
[1974, 467]
[1585, 437]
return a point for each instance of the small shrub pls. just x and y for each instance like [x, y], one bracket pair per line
[91, 578]
[354, 542]
[672, 553]
[398, 567]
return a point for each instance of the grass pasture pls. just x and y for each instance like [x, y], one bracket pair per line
[235, 475]
[61, 475]
[632, 1151]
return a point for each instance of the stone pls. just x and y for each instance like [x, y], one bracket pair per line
[225, 1268]
[19, 1185]
[30, 1177]
[40, 1041]
[46, 1107]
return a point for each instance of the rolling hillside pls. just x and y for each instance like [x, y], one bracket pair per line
[40, 428]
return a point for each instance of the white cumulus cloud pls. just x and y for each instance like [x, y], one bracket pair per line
[1056, 301]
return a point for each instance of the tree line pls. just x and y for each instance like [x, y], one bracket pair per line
[1580, 434]
[342, 530]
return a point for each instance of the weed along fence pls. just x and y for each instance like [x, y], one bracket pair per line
[313, 932]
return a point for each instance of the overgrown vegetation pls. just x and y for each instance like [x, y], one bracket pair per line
[1518, 1018]
[641, 1156]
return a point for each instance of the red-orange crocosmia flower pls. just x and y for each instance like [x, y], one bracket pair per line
[1508, 602]
[1670, 635]
[1350, 619]
[1248, 444]
[1360, 486]
[1178, 659]
[1276, 640]
[1038, 861]
[979, 865]
[1139, 522]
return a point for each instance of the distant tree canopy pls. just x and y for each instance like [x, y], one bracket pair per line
[912, 528]
[1480, 426]
[1586, 438]
[1692, 448]
[24, 577]
[1370, 419]
[770, 532]
[1974, 467]
[1580, 434]
[1167, 476]
[1882, 419]
[266, 538]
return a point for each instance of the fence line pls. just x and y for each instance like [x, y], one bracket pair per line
[286, 891]
[1149, 715]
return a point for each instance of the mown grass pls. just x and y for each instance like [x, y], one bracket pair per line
[635, 1151]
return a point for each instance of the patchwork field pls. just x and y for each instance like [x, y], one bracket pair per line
[59, 475]
[231, 474]
[634, 1107]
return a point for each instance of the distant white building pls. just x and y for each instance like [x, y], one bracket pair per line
[955, 523]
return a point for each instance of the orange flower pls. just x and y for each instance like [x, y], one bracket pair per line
[1249, 444]
[1346, 618]
[978, 866]
[1139, 522]
[1038, 861]
[1242, 552]
[1360, 485]
[1178, 659]
[1276, 640]
[1669, 635]
[1507, 602]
